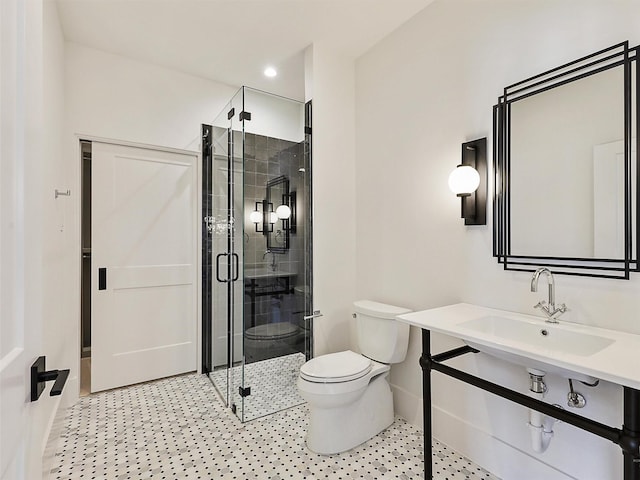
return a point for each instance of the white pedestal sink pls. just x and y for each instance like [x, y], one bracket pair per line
[568, 349]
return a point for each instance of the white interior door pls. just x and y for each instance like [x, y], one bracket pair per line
[143, 265]
[22, 422]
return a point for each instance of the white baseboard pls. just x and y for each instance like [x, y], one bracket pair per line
[486, 450]
[70, 392]
[52, 436]
[56, 422]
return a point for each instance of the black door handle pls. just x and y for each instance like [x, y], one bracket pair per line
[102, 278]
[218, 267]
[39, 377]
[236, 262]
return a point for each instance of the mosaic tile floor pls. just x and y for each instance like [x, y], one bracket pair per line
[177, 428]
[272, 382]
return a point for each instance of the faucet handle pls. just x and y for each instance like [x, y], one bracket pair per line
[560, 310]
[541, 304]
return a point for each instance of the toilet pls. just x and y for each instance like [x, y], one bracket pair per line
[348, 393]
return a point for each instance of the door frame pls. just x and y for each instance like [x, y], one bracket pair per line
[197, 240]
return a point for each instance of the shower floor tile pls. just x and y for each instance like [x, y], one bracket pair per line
[272, 382]
[178, 428]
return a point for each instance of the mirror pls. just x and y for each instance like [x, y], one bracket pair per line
[280, 201]
[565, 162]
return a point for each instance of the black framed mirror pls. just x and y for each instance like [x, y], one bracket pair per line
[283, 204]
[566, 168]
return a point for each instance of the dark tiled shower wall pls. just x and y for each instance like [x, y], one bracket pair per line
[265, 159]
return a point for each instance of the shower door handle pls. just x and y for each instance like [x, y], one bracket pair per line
[315, 314]
[235, 267]
[218, 267]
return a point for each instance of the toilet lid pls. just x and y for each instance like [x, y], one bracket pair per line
[271, 331]
[336, 367]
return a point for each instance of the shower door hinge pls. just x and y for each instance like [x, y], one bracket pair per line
[245, 115]
[244, 392]
[231, 113]
[307, 130]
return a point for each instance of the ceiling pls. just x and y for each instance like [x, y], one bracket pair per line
[232, 41]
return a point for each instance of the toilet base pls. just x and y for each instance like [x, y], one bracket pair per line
[338, 429]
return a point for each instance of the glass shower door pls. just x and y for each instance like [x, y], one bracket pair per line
[226, 206]
[277, 339]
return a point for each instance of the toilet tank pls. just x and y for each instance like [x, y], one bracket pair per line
[380, 336]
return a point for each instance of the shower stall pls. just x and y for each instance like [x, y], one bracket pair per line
[257, 251]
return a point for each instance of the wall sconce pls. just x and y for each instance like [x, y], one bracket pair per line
[264, 223]
[287, 212]
[256, 216]
[469, 182]
[283, 212]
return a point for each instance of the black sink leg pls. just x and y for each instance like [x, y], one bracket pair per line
[631, 434]
[425, 363]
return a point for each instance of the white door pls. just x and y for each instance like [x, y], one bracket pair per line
[143, 251]
[22, 422]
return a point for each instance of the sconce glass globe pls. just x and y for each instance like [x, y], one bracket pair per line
[283, 212]
[464, 180]
[255, 216]
[273, 217]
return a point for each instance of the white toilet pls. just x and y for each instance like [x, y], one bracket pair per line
[348, 394]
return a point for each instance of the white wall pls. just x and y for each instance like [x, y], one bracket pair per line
[58, 273]
[115, 97]
[332, 86]
[420, 93]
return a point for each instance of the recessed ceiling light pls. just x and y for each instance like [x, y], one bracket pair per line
[270, 72]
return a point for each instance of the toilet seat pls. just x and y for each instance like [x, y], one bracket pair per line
[271, 331]
[336, 367]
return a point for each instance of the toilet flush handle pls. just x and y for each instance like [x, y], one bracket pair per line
[316, 314]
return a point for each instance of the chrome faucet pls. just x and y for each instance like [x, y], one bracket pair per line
[550, 309]
[274, 265]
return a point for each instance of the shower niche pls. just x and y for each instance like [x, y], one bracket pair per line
[257, 251]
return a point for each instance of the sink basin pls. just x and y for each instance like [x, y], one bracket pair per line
[544, 337]
[569, 349]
